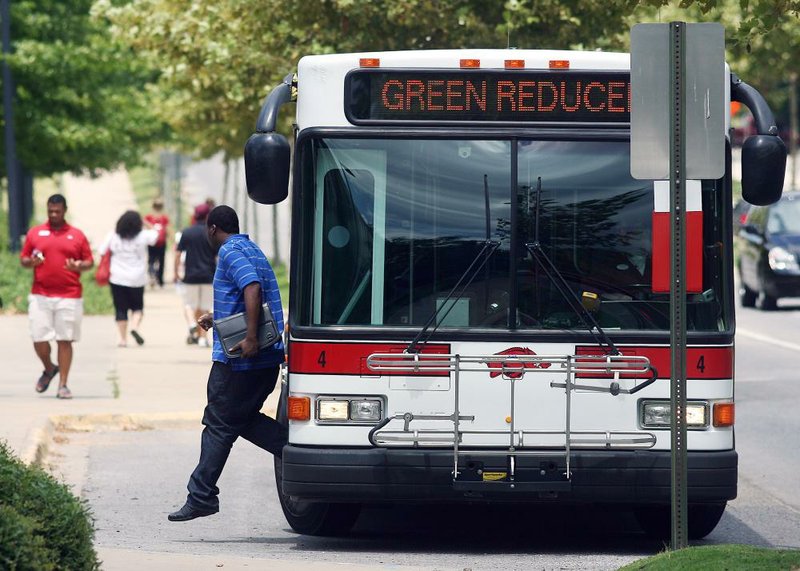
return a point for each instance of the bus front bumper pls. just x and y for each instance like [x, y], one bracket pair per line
[376, 475]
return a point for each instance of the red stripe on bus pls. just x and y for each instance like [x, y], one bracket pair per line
[694, 251]
[326, 358]
[701, 362]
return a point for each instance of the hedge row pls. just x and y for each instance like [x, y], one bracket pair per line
[42, 525]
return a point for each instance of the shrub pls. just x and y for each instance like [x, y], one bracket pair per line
[47, 524]
[21, 547]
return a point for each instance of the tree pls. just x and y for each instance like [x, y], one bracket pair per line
[749, 18]
[218, 60]
[81, 96]
[762, 38]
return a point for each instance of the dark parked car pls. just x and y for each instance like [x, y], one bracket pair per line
[769, 249]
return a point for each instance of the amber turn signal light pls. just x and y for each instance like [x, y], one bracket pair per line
[298, 408]
[559, 64]
[470, 63]
[369, 62]
[724, 414]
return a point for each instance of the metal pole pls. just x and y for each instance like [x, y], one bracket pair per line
[178, 202]
[793, 129]
[678, 288]
[16, 201]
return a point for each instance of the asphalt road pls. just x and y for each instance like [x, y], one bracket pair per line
[133, 479]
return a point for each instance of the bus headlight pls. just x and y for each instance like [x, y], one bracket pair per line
[332, 409]
[365, 410]
[657, 414]
[346, 409]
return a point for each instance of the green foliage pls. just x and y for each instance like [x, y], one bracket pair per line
[15, 285]
[720, 558]
[96, 299]
[762, 38]
[81, 97]
[282, 275]
[144, 183]
[15, 281]
[43, 518]
[750, 18]
[21, 548]
[217, 60]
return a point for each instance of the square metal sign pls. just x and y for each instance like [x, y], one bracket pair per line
[703, 67]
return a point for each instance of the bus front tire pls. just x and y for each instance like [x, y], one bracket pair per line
[655, 521]
[315, 518]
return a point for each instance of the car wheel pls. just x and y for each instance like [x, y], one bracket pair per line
[656, 522]
[767, 302]
[747, 296]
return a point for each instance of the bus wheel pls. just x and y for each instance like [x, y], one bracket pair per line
[747, 296]
[655, 521]
[315, 518]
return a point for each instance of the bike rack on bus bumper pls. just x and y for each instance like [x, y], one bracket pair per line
[512, 367]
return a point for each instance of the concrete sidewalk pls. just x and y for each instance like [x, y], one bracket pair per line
[165, 377]
[160, 384]
[161, 381]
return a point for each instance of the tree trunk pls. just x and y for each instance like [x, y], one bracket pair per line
[226, 180]
[276, 256]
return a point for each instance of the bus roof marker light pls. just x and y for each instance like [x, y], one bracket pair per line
[369, 62]
[298, 408]
[724, 414]
[470, 63]
[559, 64]
[515, 64]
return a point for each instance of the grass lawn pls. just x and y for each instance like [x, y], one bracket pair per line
[15, 285]
[720, 558]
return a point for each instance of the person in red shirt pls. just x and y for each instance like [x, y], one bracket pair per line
[58, 253]
[157, 220]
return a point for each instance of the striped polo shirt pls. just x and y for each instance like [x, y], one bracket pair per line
[241, 262]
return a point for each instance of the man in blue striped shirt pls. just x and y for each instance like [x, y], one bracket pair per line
[237, 388]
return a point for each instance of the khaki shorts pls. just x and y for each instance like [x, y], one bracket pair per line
[198, 296]
[55, 318]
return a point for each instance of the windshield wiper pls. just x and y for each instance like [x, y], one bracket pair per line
[489, 247]
[540, 257]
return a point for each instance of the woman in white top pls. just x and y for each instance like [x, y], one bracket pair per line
[128, 245]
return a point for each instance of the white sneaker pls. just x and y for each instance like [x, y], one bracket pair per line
[203, 342]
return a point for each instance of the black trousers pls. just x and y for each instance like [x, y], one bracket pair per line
[234, 406]
[155, 262]
[126, 299]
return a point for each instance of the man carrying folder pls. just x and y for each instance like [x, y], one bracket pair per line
[237, 387]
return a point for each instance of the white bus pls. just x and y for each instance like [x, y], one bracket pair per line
[479, 306]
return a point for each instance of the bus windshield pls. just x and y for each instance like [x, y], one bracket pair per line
[388, 226]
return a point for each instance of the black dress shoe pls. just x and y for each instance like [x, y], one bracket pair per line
[187, 512]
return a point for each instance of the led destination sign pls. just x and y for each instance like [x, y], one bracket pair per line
[378, 96]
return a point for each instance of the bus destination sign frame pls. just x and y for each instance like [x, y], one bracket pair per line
[600, 98]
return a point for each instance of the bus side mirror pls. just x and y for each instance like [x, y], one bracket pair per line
[763, 169]
[266, 167]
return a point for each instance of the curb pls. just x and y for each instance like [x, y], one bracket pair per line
[40, 444]
[42, 436]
